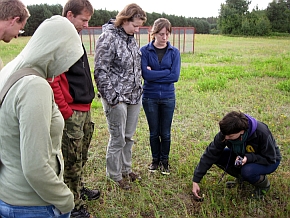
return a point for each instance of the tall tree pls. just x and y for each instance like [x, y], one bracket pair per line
[256, 23]
[278, 12]
[231, 16]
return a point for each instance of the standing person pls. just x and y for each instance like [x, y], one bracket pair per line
[118, 78]
[31, 162]
[251, 153]
[13, 17]
[160, 70]
[74, 93]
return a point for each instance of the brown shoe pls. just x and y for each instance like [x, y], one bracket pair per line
[134, 177]
[123, 184]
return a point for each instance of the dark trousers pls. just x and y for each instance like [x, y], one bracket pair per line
[250, 172]
[159, 113]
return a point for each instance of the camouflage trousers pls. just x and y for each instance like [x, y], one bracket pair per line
[77, 135]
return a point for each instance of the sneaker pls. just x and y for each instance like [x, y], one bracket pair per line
[123, 184]
[154, 165]
[90, 194]
[164, 167]
[81, 213]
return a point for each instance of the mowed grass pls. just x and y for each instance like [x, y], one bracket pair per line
[224, 74]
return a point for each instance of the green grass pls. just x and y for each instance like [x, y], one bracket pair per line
[224, 74]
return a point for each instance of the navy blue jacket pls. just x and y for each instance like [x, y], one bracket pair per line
[159, 81]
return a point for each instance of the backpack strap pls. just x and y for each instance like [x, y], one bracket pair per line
[14, 78]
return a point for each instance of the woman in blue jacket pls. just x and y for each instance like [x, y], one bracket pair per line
[160, 70]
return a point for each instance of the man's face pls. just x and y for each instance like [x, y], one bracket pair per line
[80, 21]
[12, 29]
[132, 27]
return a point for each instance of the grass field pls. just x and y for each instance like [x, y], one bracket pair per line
[224, 74]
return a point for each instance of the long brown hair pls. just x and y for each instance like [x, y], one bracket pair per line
[130, 12]
[158, 25]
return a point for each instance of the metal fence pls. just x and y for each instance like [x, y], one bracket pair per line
[181, 37]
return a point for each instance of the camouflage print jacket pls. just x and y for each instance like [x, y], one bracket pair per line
[118, 66]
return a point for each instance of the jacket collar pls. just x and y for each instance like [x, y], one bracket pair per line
[151, 46]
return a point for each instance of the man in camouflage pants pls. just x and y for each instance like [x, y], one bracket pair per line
[74, 93]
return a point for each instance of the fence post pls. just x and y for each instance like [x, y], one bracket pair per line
[92, 33]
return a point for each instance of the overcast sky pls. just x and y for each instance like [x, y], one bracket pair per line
[187, 8]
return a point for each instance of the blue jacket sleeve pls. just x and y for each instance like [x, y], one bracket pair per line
[174, 74]
[160, 73]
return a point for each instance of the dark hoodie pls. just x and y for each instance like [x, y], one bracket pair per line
[260, 148]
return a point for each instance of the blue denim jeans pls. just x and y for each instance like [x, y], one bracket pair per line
[11, 211]
[249, 172]
[159, 113]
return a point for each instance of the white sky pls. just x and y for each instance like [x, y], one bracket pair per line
[186, 8]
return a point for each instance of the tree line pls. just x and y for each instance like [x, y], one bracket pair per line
[40, 12]
[234, 18]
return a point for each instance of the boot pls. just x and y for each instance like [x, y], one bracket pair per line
[81, 213]
[90, 194]
[237, 182]
[261, 187]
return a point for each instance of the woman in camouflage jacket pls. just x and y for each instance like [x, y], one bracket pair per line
[118, 78]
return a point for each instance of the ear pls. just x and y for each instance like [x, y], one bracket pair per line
[69, 15]
[15, 20]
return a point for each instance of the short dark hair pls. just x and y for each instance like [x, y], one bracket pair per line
[77, 6]
[233, 122]
[13, 8]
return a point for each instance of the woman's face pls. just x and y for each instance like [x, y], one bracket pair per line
[132, 27]
[161, 37]
[234, 136]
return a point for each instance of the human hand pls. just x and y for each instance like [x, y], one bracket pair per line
[195, 192]
[244, 161]
[148, 68]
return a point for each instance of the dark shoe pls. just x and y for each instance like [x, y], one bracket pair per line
[154, 165]
[164, 167]
[232, 184]
[262, 187]
[90, 194]
[259, 193]
[123, 184]
[81, 213]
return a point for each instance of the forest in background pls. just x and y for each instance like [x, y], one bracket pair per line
[234, 19]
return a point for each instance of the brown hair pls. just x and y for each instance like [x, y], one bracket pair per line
[13, 8]
[130, 12]
[158, 25]
[77, 6]
[233, 122]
